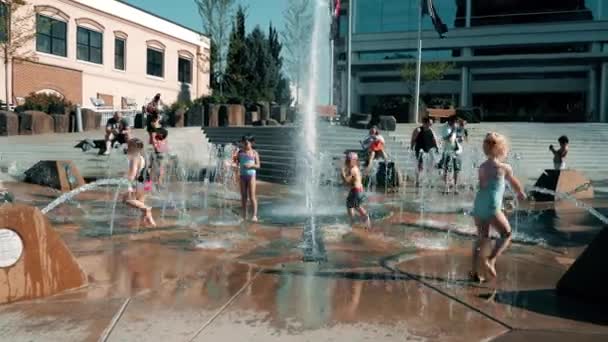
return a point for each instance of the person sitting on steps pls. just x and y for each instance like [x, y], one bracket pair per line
[117, 130]
[374, 145]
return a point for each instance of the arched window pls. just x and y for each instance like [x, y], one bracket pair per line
[51, 30]
[120, 50]
[184, 66]
[89, 41]
[155, 64]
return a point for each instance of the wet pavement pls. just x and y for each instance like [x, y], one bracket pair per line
[198, 279]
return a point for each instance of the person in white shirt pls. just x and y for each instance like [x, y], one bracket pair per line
[452, 149]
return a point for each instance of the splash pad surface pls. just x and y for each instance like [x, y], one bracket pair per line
[171, 280]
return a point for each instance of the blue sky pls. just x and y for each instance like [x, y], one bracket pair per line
[259, 12]
[185, 12]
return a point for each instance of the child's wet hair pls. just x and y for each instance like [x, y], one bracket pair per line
[248, 138]
[161, 133]
[563, 140]
[136, 143]
[495, 145]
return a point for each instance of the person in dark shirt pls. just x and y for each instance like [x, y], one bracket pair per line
[423, 140]
[117, 129]
[153, 123]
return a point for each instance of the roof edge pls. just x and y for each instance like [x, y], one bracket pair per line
[124, 2]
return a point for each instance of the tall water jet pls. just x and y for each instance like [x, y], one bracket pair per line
[310, 170]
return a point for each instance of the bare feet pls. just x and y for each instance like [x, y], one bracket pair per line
[148, 219]
[368, 222]
[491, 266]
[475, 277]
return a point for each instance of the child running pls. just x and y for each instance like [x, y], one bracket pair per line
[248, 161]
[352, 176]
[559, 156]
[158, 157]
[487, 210]
[451, 161]
[137, 175]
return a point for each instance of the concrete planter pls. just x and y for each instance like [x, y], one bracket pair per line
[91, 120]
[9, 123]
[236, 115]
[61, 123]
[264, 110]
[178, 118]
[34, 122]
[251, 117]
[195, 116]
[278, 113]
[213, 113]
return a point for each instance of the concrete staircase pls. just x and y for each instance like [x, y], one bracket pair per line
[588, 142]
[278, 145]
[19, 153]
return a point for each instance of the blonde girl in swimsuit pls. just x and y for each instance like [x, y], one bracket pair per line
[487, 210]
[139, 184]
[248, 161]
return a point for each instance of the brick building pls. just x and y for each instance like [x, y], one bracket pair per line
[107, 49]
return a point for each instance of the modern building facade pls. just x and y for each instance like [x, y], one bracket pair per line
[541, 60]
[106, 49]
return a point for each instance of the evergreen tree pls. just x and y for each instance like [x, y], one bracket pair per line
[279, 83]
[283, 92]
[259, 66]
[236, 81]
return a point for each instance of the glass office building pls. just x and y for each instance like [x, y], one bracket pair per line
[541, 60]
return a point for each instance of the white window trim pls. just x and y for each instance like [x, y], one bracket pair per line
[124, 39]
[67, 32]
[164, 62]
[180, 56]
[103, 50]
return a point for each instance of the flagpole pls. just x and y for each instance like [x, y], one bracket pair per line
[331, 51]
[351, 7]
[418, 65]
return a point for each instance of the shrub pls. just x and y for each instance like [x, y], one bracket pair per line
[47, 103]
[210, 99]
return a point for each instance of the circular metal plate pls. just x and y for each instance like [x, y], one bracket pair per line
[11, 247]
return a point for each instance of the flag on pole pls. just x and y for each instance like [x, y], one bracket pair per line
[338, 7]
[428, 8]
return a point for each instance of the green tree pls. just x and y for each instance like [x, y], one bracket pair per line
[282, 93]
[215, 15]
[275, 70]
[429, 72]
[236, 81]
[16, 32]
[296, 39]
[259, 66]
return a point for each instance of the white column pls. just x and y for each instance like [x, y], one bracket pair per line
[465, 87]
[349, 56]
[603, 110]
[469, 10]
[592, 94]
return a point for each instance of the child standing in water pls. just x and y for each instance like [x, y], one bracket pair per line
[352, 176]
[158, 157]
[248, 161]
[487, 210]
[140, 184]
[559, 156]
